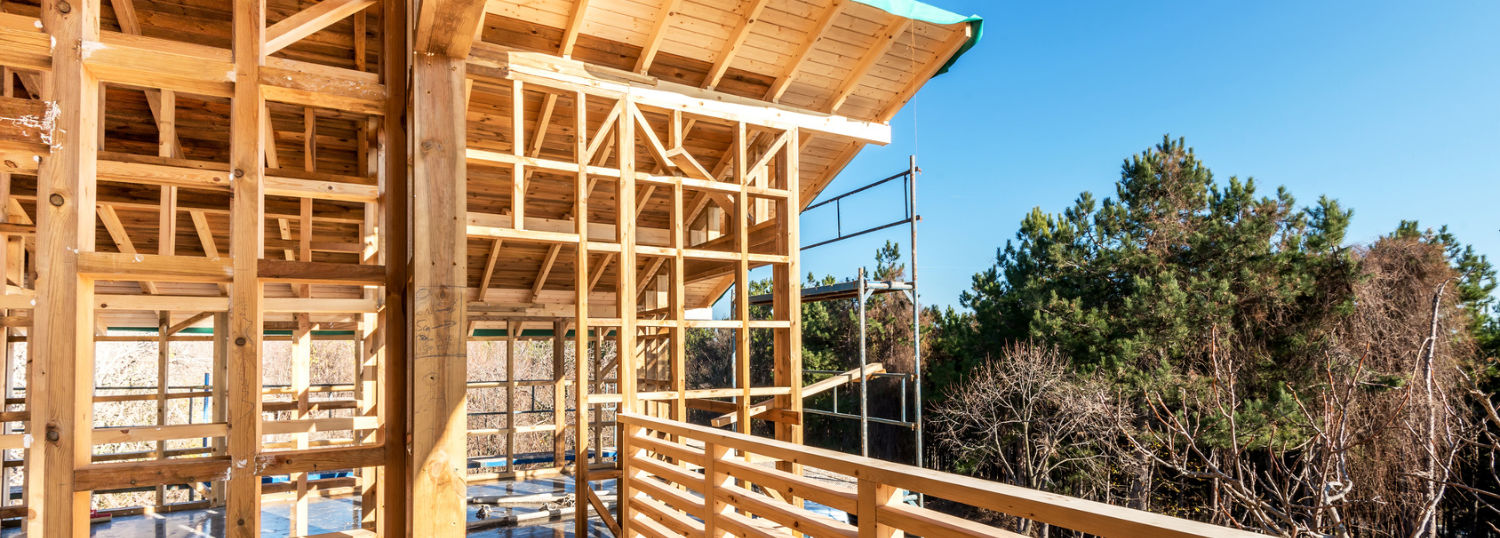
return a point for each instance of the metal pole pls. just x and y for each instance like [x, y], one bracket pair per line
[864, 382]
[916, 314]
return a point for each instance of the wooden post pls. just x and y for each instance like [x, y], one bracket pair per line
[301, 374]
[512, 331]
[394, 176]
[678, 299]
[625, 296]
[787, 302]
[581, 385]
[247, 237]
[559, 396]
[714, 479]
[163, 357]
[61, 388]
[368, 354]
[518, 149]
[742, 278]
[872, 496]
[439, 274]
[217, 377]
[625, 234]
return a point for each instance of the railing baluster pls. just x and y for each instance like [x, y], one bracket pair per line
[628, 469]
[872, 496]
[714, 478]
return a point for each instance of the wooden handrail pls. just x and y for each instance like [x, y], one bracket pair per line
[724, 482]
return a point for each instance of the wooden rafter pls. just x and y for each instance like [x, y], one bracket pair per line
[575, 25]
[883, 43]
[310, 21]
[658, 33]
[599, 269]
[825, 21]
[546, 268]
[749, 15]
[920, 78]
[489, 271]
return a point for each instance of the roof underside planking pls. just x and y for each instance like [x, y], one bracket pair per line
[846, 60]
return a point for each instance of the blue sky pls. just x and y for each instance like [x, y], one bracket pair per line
[1393, 108]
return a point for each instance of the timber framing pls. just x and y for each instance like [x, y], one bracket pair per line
[406, 180]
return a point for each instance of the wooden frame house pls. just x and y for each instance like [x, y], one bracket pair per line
[413, 177]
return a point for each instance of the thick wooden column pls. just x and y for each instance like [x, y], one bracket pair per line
[62, 380]
[439, 291]
[247, 136]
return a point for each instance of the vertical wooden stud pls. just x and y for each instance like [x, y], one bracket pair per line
[217, 380]
[742, 279]
[787, 301]
[518, 149]
[581, 385]
[559, 396]
[394, 477]
[163, 360]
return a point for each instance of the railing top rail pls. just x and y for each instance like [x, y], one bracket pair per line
[1068, 512]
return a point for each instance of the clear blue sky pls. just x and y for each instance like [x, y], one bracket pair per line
[1391, 107]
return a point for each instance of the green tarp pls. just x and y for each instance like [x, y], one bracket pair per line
[919, 11]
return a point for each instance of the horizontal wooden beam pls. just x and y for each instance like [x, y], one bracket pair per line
[150, 473]
[153, 267]
[320, 459]
[23, 44]
[572, 75]
[320, 189]
[319, 305]
[320, 272]
[26, 121]
[133, 434]
[150, 62]
[326, 424]
[314, 85]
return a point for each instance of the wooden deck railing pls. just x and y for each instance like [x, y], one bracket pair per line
[700, 484]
